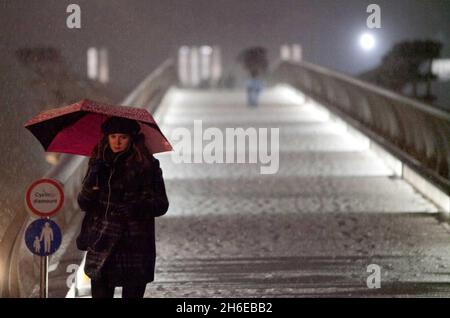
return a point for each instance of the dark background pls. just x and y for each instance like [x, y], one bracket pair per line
[140, 34]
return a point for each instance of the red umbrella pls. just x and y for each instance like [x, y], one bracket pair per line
[76, 128]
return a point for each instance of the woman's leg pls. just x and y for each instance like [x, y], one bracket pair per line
[133, 291]
[101, 289]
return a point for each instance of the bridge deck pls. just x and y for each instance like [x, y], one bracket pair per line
[310, 229]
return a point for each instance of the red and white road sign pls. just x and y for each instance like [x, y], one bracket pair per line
[44, 197]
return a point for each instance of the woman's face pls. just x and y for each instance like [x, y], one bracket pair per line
[118, 142]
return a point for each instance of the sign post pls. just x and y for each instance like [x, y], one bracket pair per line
[43, 291]
[44, 198]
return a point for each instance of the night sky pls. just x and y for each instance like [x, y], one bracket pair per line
[140, 34]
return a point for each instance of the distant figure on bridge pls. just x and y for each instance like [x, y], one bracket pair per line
[254, 88]
[122, 193]
[255, 61]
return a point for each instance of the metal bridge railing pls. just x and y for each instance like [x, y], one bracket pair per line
[417, 133]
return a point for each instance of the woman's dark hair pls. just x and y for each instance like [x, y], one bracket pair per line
[139, 150]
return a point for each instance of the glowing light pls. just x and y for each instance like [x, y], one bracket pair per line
[367, 41]
[206, 50]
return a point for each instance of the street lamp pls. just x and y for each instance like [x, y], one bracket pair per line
[367, 41]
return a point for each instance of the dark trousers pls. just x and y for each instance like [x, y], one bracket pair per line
[101, 289]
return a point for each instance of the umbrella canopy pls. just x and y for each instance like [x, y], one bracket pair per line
[76, 128]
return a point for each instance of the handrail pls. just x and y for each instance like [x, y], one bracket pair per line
[417, 133]
[69, 171]
[435, 110]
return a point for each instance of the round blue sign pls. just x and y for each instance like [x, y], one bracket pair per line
[43, 237]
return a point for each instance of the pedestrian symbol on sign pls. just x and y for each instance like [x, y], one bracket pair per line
[47, 236]
[43, 237]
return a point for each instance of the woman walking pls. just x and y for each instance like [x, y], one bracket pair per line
[123, 191]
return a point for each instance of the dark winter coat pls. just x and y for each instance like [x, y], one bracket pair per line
[119, 223]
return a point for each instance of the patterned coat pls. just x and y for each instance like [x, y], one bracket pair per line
[119, 222]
